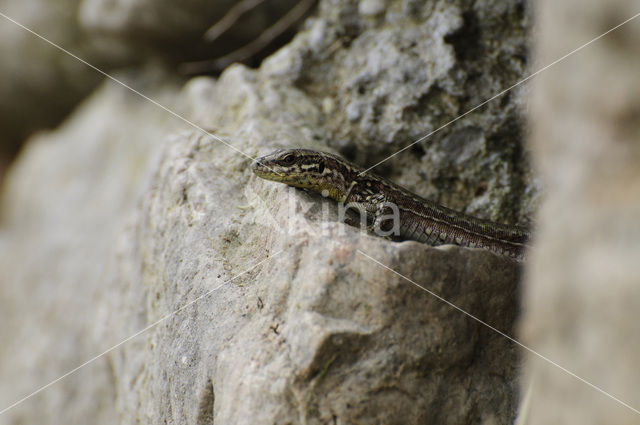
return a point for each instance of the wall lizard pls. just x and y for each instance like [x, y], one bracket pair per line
[419, 219]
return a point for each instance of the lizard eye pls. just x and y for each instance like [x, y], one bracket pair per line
[289, 159]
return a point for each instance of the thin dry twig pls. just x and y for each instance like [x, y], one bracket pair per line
[248, 50]
[229, 19]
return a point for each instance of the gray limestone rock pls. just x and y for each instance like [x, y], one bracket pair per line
[317, 332]
[386, 80]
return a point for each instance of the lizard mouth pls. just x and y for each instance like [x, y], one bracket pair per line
[264, 171]
[258, 167]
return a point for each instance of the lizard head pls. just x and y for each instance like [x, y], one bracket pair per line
[304, 168]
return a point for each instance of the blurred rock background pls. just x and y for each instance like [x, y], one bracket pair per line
[583, 286]
[40, 85]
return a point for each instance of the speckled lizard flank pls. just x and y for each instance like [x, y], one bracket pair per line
[419, 219]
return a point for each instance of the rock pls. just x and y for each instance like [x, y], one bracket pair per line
[371, 7]
[39, 84]
[134, 219]
[581, 294]
[317, 331]
[409, 72]
[65, 206]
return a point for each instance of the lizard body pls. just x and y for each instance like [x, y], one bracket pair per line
[419, 219]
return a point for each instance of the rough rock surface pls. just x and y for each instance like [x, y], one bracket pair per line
[583, 290]
[384, 80]
[318, 333]
[95, 248]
